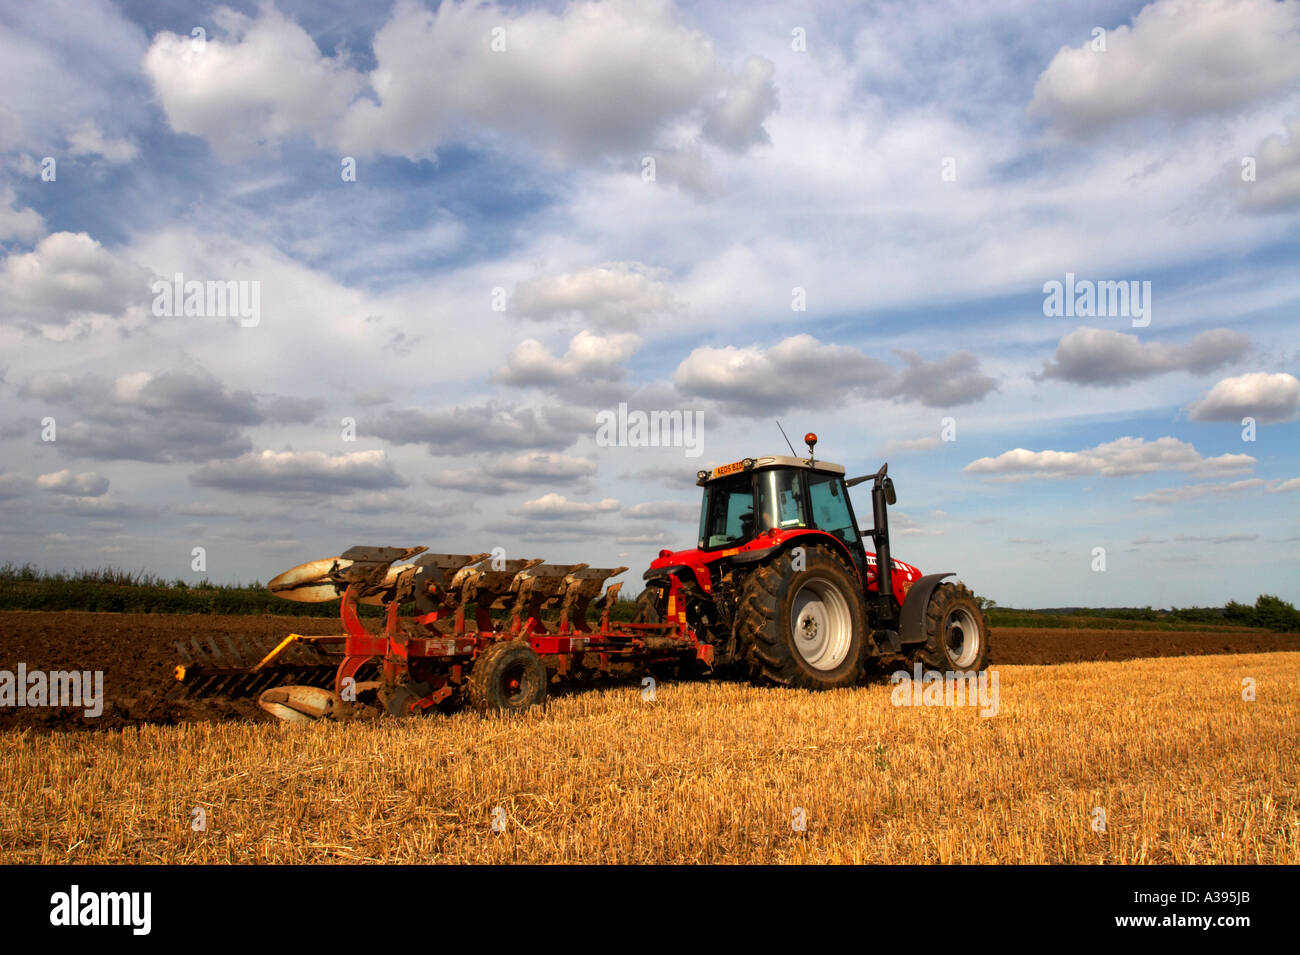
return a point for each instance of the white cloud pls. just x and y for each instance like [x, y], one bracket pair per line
[617, 294]
[905, 524]
[748, 98]
[1268, 398]
[653, 537]
[26, 224]
[264, 81]
[89, 140]
[518, 472]
[13, 485]
[556, 507]
[487, 427]
[472, 480]
[590, 357]
[1276, 183]
[105, 505]
[69, 276]
[675, 478]
[598, 78]
[1215, 539]
[300, 472]
[912, 444]
[1179, 58]
[688, 168]
[65, 63]
[663, 511]
[798, 372]
[1119, 458]
[176, 414]
[390, 503]
[1290, 484]
[1175, 495]
[801, 372]
[86, 484]
[954, 379]
[1097, 356]
[539, 464]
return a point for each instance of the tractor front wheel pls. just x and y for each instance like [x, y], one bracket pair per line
[507, 677]
[801, 621]
[956, 633]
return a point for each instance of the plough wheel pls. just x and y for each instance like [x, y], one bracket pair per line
[400, 699]
[507, 677]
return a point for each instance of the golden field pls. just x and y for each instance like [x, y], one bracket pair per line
[1185, 769]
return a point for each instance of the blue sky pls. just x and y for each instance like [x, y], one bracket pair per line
[504, 267]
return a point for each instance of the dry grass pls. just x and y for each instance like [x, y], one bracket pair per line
[1186, 770]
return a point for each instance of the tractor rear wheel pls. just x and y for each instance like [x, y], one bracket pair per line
[507, 677]
[803, 627]
[956, 633]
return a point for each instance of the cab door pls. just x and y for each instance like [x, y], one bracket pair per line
[829, 510]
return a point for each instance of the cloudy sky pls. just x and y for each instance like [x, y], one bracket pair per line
[464, 231]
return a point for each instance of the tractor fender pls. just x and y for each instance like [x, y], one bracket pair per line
[684, 573]
[800, 538]
[911, 622]
[668, 571]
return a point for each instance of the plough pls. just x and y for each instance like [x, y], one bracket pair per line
[458, 608]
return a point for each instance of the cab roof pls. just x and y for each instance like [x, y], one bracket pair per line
[765, 462]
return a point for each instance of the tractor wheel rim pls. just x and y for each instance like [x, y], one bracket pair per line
[512, 682]
[962, 634]
[822, 625]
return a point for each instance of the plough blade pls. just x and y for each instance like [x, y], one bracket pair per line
[538, 589]
[580, 589]
[312, 582]
[299, 704]
[319, 581]
[431, 584]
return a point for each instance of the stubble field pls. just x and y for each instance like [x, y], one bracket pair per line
[1182, 767]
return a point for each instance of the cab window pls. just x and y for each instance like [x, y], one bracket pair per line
[780, 504]
[830, 507]
[727, 512]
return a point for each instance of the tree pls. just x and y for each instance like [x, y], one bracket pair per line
[1243, 614]
[1276, 614]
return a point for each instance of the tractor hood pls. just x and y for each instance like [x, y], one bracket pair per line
[697, 561]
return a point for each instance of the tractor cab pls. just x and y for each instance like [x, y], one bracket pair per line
[757, 504]
[772, 496]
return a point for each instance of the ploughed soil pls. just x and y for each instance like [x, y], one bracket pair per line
[137, 654]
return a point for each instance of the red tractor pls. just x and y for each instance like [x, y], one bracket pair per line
[781, 581]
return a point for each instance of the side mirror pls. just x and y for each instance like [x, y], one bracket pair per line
[890, 497]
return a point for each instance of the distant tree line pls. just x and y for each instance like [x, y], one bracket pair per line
[1268, 613]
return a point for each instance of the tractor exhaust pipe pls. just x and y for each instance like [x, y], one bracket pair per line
[882, 495]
